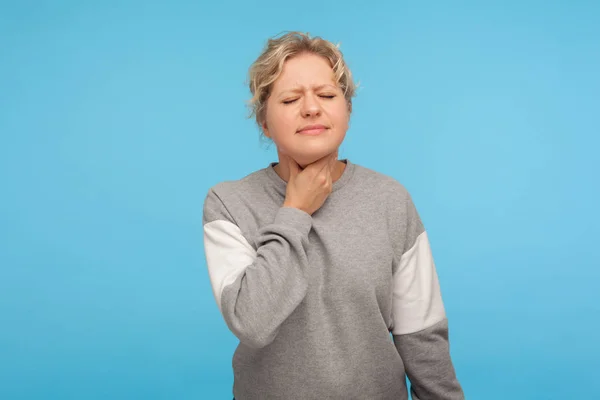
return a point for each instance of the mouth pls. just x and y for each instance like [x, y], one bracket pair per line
[312, 130]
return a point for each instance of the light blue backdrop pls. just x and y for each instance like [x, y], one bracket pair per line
[116, 118]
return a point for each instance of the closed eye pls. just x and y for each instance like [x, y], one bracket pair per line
[324, 96]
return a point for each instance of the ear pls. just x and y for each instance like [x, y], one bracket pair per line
[265, 129]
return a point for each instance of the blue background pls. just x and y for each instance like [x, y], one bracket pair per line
[116, 118]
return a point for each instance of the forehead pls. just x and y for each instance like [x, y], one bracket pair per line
[305, 70]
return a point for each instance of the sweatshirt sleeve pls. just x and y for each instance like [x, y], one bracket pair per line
[256, 290]
[420, 326]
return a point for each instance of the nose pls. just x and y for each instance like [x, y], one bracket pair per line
[310, 107]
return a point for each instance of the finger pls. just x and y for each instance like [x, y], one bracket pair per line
[334, 159]
[293, 166]
[323, 163]
[330, 168]
[331, 162]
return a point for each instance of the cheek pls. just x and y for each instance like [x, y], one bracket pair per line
[280, 121]
[341, 116]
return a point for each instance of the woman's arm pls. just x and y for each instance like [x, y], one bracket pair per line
[420, 326]
[256, 290]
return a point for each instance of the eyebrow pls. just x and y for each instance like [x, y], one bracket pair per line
[299, 89]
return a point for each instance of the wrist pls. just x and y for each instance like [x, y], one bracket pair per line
[290, 205]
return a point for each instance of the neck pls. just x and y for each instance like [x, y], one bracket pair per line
[283, 170]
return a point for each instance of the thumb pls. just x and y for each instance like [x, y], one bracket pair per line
[294, 167]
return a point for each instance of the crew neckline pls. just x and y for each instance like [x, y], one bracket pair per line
[342, 181]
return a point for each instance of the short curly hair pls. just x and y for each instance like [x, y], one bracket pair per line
[268, 66]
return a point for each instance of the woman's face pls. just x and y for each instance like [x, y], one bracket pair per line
[306, 94]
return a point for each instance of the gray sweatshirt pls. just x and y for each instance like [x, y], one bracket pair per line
[343, 304]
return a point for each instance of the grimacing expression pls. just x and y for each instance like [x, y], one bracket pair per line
[306, 94]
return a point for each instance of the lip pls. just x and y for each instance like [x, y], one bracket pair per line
[312, 130]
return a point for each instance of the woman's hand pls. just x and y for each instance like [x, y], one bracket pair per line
[308, 188]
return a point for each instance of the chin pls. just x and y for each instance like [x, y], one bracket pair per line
[307, 152]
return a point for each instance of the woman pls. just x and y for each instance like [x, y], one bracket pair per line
[321, 267]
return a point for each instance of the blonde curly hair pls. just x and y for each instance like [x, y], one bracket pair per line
[268, 66]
